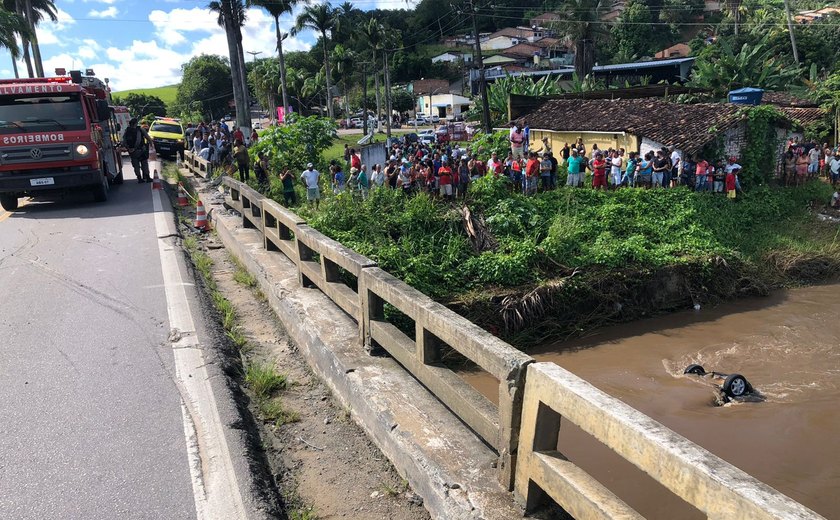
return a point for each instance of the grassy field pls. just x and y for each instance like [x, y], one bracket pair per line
[166, 94]
[336, 150]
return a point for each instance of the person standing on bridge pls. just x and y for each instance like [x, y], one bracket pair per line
[137, 141]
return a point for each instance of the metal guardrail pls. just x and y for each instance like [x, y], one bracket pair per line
[706, 481]
[524, 427]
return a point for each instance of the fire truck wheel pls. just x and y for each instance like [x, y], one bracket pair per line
[119, 178]
[100, 191]
[9, 201]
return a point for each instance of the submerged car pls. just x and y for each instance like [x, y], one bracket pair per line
[731, 385]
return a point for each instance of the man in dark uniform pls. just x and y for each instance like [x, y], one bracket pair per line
[137, 141]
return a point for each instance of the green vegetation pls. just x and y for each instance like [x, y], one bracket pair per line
[264, 379]
[166, 94]
[273, 410]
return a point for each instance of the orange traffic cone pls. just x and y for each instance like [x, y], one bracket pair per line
[156, 185]
[201, 217]
[182, 195]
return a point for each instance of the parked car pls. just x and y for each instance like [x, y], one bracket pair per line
[357, 122]
[435, 119]
[419, 121]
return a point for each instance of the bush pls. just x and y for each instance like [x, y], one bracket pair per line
[295, 144]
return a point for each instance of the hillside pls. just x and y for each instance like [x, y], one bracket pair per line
[166, 94]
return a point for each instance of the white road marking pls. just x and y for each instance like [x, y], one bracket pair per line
[215, 487]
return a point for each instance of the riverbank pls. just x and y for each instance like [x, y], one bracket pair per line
[564, 262]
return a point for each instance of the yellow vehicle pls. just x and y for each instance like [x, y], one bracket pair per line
[168, 135]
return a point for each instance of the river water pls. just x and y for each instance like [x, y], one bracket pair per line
[787, 346]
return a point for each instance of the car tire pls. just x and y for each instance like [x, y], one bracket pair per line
[736, 385]
[119, 178]
[9, 201]
[100, 191]
[695, 369]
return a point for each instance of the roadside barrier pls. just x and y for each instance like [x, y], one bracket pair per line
[201, 217]
[524, 427]
[197, 165]
[156, 184]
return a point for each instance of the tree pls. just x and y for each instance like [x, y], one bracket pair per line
[722, 69]
[320, 18]
[277, 8]
[205, 83]
[32, 12]
[11, 26]
[314, 86]
[296, 79]
[264, 76]
[231, 17]
[583, 24]
[141, 104]
[402, 100]
[632, 36]
[373, 33]
[344, 60]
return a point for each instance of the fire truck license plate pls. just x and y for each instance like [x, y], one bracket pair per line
[46, 181]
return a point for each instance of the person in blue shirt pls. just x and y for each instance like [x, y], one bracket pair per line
[526, 131]
[630, 172]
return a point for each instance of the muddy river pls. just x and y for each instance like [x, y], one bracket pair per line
[787, 346]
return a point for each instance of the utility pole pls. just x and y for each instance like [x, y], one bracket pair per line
[790, 30]
[482, 83]
[364, 65]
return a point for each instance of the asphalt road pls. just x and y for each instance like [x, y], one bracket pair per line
[95, 417]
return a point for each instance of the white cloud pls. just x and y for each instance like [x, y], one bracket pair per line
[48, 31]
[108, 2]
[177, 36]
[110, 12]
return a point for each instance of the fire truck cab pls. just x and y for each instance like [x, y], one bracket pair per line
[57, 134]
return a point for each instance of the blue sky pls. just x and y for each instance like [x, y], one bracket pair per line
[142, 43]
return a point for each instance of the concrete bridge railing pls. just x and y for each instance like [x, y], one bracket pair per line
[533, 397]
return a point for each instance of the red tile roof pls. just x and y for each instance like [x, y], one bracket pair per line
[783, 99]
[429, 86]
[687, 127]
[522, 50]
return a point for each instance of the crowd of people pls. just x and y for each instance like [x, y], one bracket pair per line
[223, 146]
[808, 160]
[446, 170]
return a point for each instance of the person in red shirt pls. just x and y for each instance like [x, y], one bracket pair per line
[355, 160]
[445, 180]
[238, 135]
[731, 185]
[532, 174]
[599, 169]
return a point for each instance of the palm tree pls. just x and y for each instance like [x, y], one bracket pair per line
[313, 86]
[12, 25]
[277, 8]
[345, 18]
[344, 59]
[320, 18]
[373, 32]
[265, 76]
[32, 12]
[296, 80]
[231, 17]
[583, 24]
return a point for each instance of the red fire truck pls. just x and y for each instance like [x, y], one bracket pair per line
[57, 134]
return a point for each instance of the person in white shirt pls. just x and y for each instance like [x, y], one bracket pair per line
[676, 166]
[378, 177]
[310, 177]
[615, 168]
[834, 168]
[494, 165]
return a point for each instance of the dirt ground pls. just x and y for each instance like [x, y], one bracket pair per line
[325, 466]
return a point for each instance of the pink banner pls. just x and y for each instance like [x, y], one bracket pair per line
[281, 112]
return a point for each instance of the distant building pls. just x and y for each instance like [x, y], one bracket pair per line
[443, 105]
[453, 57]
[546, 19]
[636, 123]
[679, 50]
[806, 17]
